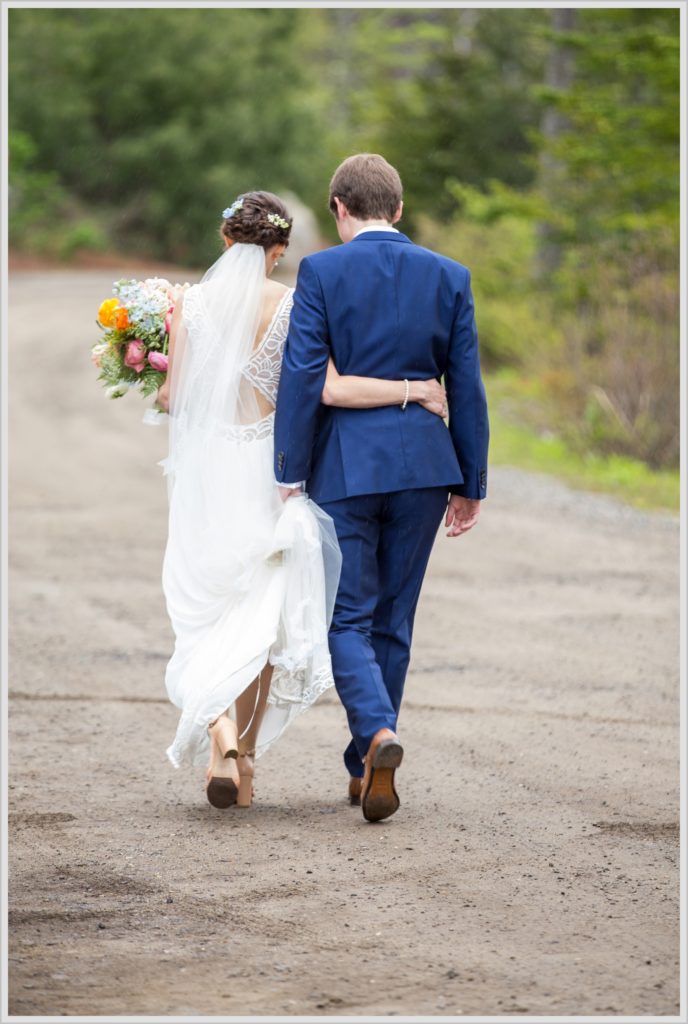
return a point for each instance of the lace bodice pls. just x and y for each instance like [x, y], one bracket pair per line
[263, 368]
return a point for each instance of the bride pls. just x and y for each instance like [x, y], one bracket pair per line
[249, 579]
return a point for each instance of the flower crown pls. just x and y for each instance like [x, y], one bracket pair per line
[279, 222]
[273, 218]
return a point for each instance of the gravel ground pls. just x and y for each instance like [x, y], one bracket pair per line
[533, 865]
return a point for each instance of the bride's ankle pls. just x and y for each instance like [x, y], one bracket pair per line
[245, 762]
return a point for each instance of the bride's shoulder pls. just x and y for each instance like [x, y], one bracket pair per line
[278, 298]
[275, 290]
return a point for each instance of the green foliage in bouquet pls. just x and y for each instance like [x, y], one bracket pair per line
[112, 368]
[150, 381]
[114, 374]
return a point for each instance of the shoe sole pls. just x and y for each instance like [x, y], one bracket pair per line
[381, 799]
[222, 793]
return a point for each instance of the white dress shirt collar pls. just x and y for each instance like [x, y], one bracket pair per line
[377, 227]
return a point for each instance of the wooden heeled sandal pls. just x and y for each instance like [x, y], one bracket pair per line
[224, 732]
[222, 790]
[246, 769]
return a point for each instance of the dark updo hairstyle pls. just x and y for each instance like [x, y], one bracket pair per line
[248, 221]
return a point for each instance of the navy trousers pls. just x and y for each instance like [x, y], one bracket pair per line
[386, 540]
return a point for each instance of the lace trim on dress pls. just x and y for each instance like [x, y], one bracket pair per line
[298, 687]
[263, 368]
[252, 431]
[192, 313]
[280, 694]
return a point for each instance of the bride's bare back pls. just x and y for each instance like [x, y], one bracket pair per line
[264, 366]
[273, 293]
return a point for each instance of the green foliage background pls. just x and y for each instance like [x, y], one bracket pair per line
[130, 129]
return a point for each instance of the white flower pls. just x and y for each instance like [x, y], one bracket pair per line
[118, 390]
[98, 351]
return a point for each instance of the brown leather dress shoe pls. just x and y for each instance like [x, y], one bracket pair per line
[355, 783]
[379, 798]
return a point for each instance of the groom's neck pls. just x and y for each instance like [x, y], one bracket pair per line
[353, 226]
[360, 224]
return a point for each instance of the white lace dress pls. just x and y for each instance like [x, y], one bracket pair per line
[252, 589]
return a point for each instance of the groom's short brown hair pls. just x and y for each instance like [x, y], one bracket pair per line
[369, 187]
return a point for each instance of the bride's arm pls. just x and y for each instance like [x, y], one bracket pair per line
[370, 392]
[163, 396]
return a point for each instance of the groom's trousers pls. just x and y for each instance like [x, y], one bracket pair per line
[386, 540]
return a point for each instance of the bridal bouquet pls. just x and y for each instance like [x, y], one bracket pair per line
[136, 332]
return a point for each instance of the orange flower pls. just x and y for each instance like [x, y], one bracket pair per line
[106, 312]
[121, 318]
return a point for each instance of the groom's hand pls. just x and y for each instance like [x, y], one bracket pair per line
[289, 492]
[462, 514]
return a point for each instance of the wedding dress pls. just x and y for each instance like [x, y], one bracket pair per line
[248, 579]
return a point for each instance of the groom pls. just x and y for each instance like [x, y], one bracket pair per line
[381, 307]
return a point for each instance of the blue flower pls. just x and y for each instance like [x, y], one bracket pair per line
[231, 210]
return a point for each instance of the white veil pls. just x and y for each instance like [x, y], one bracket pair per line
[246, 577]
[209, 395]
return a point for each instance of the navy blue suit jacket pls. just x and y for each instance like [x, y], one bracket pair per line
[383, 307]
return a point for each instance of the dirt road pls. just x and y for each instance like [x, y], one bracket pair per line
[533, 865]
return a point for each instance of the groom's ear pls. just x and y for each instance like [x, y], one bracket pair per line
[340, 209]
[400, 210]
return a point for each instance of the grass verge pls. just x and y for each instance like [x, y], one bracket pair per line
[514, 443]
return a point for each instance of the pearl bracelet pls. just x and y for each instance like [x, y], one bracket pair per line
[406, 396]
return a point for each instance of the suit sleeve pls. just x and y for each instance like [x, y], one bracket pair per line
[302, 378]
[468, 421]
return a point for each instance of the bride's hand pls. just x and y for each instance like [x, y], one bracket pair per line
[163, 397]
[430, 394]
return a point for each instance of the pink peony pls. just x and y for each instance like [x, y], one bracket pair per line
[158, 361]
[135, 356]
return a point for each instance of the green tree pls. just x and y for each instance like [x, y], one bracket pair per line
[466, 111]
[159, 117]
[604, 342]
[618, 154]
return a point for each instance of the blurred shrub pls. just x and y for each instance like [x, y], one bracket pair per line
[44, 219]
[597, 342]
[617, 388]
[85, 235]
[496, 239]
[37, 200]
